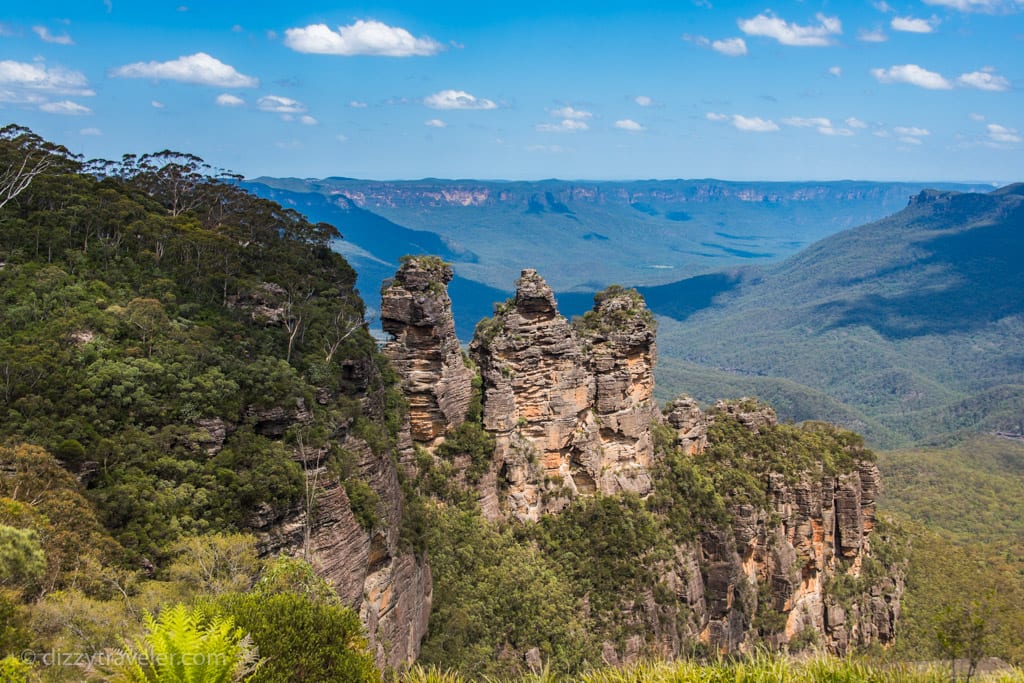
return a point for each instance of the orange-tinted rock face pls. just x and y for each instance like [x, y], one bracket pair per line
[570, 408]
[416, 311]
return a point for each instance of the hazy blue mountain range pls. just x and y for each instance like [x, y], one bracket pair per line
[582, 236]
[913, 323]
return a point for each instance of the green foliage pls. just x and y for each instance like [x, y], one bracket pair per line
[21, 558]
[470, 439]
[189, 645]
[364, 502]
[301, 639]
[494, 594]
[13, 670]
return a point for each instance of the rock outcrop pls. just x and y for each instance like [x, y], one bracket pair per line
[424, 351]
[799, 569]
[388, 585]
[570, 410]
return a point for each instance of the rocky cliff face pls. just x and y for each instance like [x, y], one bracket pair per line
[799, 570]
[388, 585]
[570, 409]
[416, 311]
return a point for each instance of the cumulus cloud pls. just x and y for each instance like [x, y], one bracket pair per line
[984, 6]
[854, 122]
[912, 25]
[910, 140]
[999, 133]
[280, 105]
[37, 77]
[90, 131]
[801, 122]
[308, 120]
[563, 126]
[227, 100]
[875, 36]
[819, 123]
[47, 37]
[754, 124]
[200, 68]
[156, 104]
[732, 47]
[570, 113]
[643, 100]
[66, 107]
[976, 117]
[771, 26]
[912, 74]
[983, 80]
[356, 104]
[629, 124]
[435, 123]
[714, 116]
[457, 99]
[912, 130]
[836, 71]
[372, 38]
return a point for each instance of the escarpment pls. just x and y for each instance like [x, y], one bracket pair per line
[768, 531]
[416, 311]
[570, 406]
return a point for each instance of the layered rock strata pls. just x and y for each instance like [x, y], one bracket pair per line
[792, 559]
[416, 311]
[570, 409]
[388, 585]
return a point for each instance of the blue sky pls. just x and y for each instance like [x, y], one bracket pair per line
[921, 90]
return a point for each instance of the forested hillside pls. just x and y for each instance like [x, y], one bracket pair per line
[168, 343]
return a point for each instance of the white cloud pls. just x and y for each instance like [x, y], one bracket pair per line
[47, 37]
[836, 71]
[732, 47]
[227, 100]
[280, 105]
[563, 126]
[547, 149]
[200, 68]
[156, 104]
[807, 123]
[435, 123]
[341, 137]
[308, 120]
[90, 131]
[771, 26]
[66, 107]
[854, 122]
[356, 104]
[883, 6]
[361, 38]
[570, 113]
[984, 80]
[911, 131]
[875, 36]
[913, 25]
[821, 124]
[909, 140]
[976, 117]
[713, 116]
[630, 125]
[38, 77]
[754, 124]
[984, 6]
[1003, 134]
[643, 100]
[457, 99]
[912, 74]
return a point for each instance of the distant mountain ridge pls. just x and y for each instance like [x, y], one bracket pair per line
[584, 235]
[915, 320]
